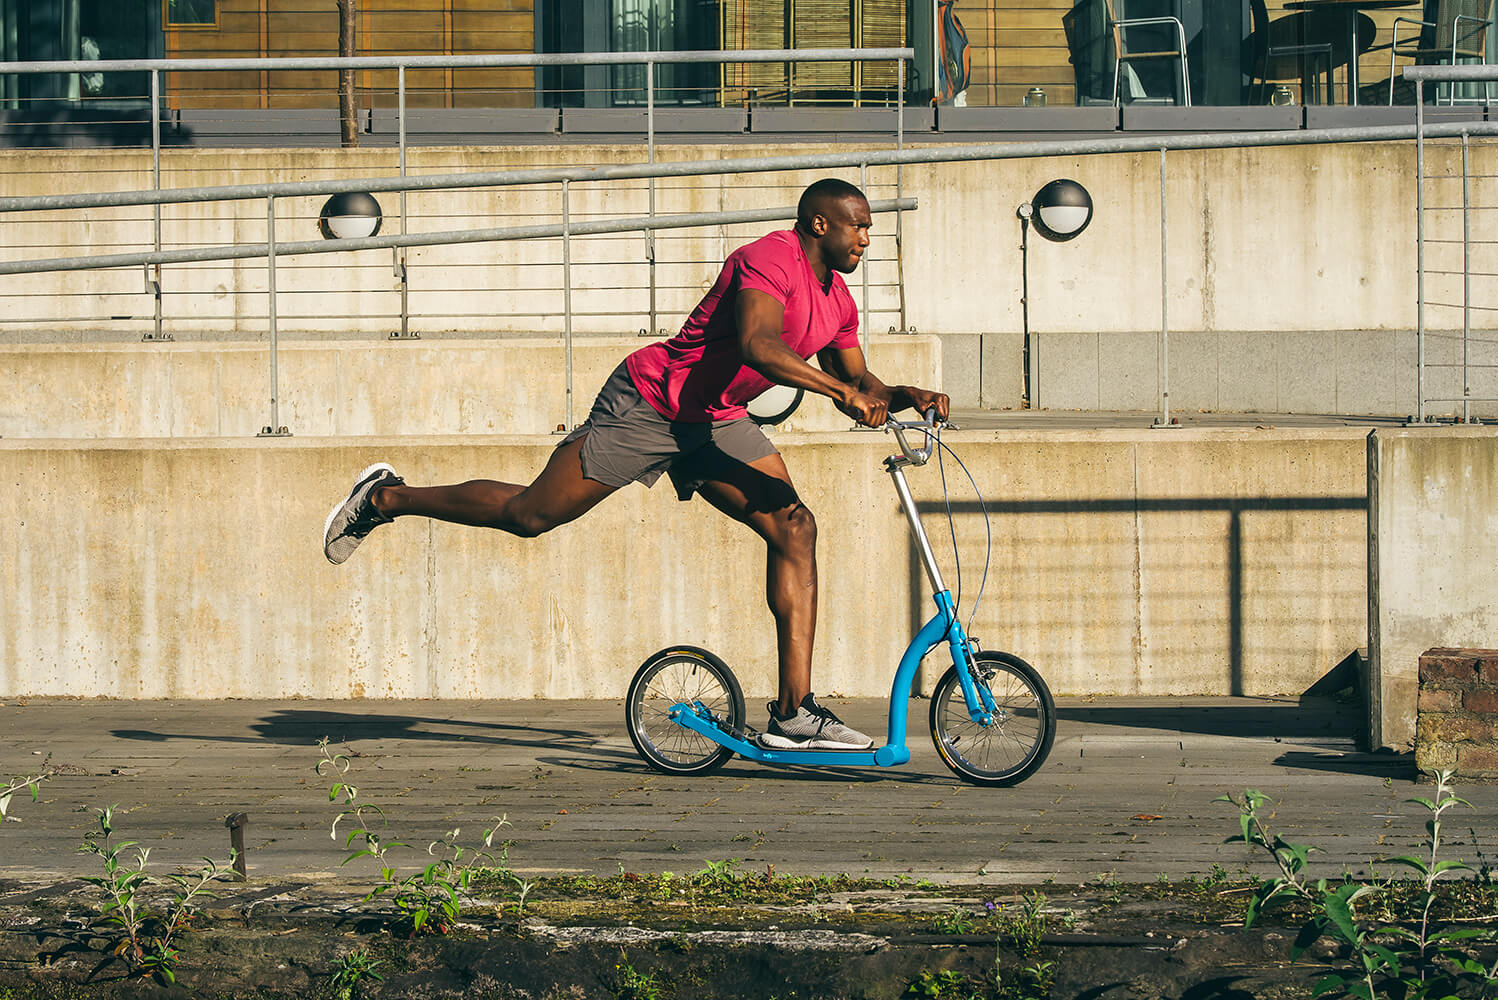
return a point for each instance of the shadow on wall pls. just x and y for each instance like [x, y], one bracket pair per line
[1234, 507]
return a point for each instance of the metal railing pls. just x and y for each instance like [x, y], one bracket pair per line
[568, 229]
[156, 67]
[1437, 75]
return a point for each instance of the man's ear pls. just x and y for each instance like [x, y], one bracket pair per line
[819, 225]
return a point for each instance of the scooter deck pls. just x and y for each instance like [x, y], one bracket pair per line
[889, 755]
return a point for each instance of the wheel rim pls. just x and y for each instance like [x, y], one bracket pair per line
[1006, 745]
[674, 681]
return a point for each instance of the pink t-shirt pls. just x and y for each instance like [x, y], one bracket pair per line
[699, 376]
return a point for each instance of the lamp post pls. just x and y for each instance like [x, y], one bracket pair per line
[1059, 211]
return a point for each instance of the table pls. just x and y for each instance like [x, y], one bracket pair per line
[1348, 11]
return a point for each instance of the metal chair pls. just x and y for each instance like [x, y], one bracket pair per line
[1451, 30]
[1271, 55]
[1096, 37]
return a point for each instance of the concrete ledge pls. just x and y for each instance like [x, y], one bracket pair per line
[1140, 118]
[811, 120]
[1432, 545]
[207, 390]
[1124, 562]
[1047, 119]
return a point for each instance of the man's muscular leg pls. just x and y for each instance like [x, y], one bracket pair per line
[561, 493]
[760, 495]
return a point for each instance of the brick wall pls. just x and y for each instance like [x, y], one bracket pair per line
[1457, 727]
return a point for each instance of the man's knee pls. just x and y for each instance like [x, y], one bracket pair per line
[528, 524]
[795, 528]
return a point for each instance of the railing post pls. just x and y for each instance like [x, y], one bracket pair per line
[1164, 420]
[567, 295]
[1466, 284]
[650, 147]
[900, 189]
[1420, 251]
[154, 283]
[275, 429]
[401, 258]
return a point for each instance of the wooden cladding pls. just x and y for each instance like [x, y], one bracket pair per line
[810, 24]
[309, 28]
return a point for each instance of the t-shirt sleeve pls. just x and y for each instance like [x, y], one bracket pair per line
[847, 334]
[759, 267]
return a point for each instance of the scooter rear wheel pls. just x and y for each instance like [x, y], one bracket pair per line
[675, 675]
[1018, 740]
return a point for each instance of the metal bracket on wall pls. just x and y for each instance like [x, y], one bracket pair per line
[279, 432]
[906, 331]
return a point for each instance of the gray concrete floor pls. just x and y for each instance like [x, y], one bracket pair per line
[1127, 792]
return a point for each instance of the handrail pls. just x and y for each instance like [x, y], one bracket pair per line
[766, 164]
[244, 251]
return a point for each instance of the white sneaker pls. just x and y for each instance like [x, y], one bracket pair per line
[811, 728]
[350, 520]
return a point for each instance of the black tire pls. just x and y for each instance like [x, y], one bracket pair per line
[681, 674]
[1010, 751]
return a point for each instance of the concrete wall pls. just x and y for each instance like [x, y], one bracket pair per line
[1433, 518]
[1179, 562]
[1290, 277]
[208, 390]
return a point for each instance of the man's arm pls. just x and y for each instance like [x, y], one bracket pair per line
[760, 317]
[848, 365]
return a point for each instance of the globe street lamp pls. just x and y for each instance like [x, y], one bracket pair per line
[350, 215]
[1060, 211]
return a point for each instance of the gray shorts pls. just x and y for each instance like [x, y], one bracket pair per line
[628, 441]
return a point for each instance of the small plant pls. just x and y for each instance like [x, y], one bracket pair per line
[353, 969]
[432, 899]
[31, 781]
[1025, 926]
[1390, 959]
[941, 985]
[955, 920]
[1034, 982]
[144, 939]
[632, 984]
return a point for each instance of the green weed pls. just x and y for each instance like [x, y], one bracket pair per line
[143, 940]
[1414, 957]
[432, 899]
[31, 781]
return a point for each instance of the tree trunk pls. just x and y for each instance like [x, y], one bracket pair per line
[348, 109]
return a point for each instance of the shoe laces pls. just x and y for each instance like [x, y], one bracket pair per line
[821, 712]
[369, 517]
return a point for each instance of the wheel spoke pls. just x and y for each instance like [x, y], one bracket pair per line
[684, 679]
[1014, 742]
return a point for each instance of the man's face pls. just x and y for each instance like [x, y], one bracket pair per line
[847, 234]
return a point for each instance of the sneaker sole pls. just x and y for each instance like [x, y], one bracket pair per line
[770, 742]
[359, 481]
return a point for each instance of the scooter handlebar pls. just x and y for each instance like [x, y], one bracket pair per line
[916, 456]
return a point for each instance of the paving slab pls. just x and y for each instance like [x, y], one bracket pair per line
[1127, 792]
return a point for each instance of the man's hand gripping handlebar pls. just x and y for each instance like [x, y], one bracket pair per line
[928, 427]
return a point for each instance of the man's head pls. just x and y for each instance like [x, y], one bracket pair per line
[835, 215]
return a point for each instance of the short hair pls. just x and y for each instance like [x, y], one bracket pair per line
[814, 199]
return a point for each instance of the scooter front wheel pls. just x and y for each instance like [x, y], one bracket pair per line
[1017, 740]
[682, 675]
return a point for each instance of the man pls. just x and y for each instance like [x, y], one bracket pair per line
[677, 406]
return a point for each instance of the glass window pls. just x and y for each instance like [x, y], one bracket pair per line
[670, 26]
[190, 12]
